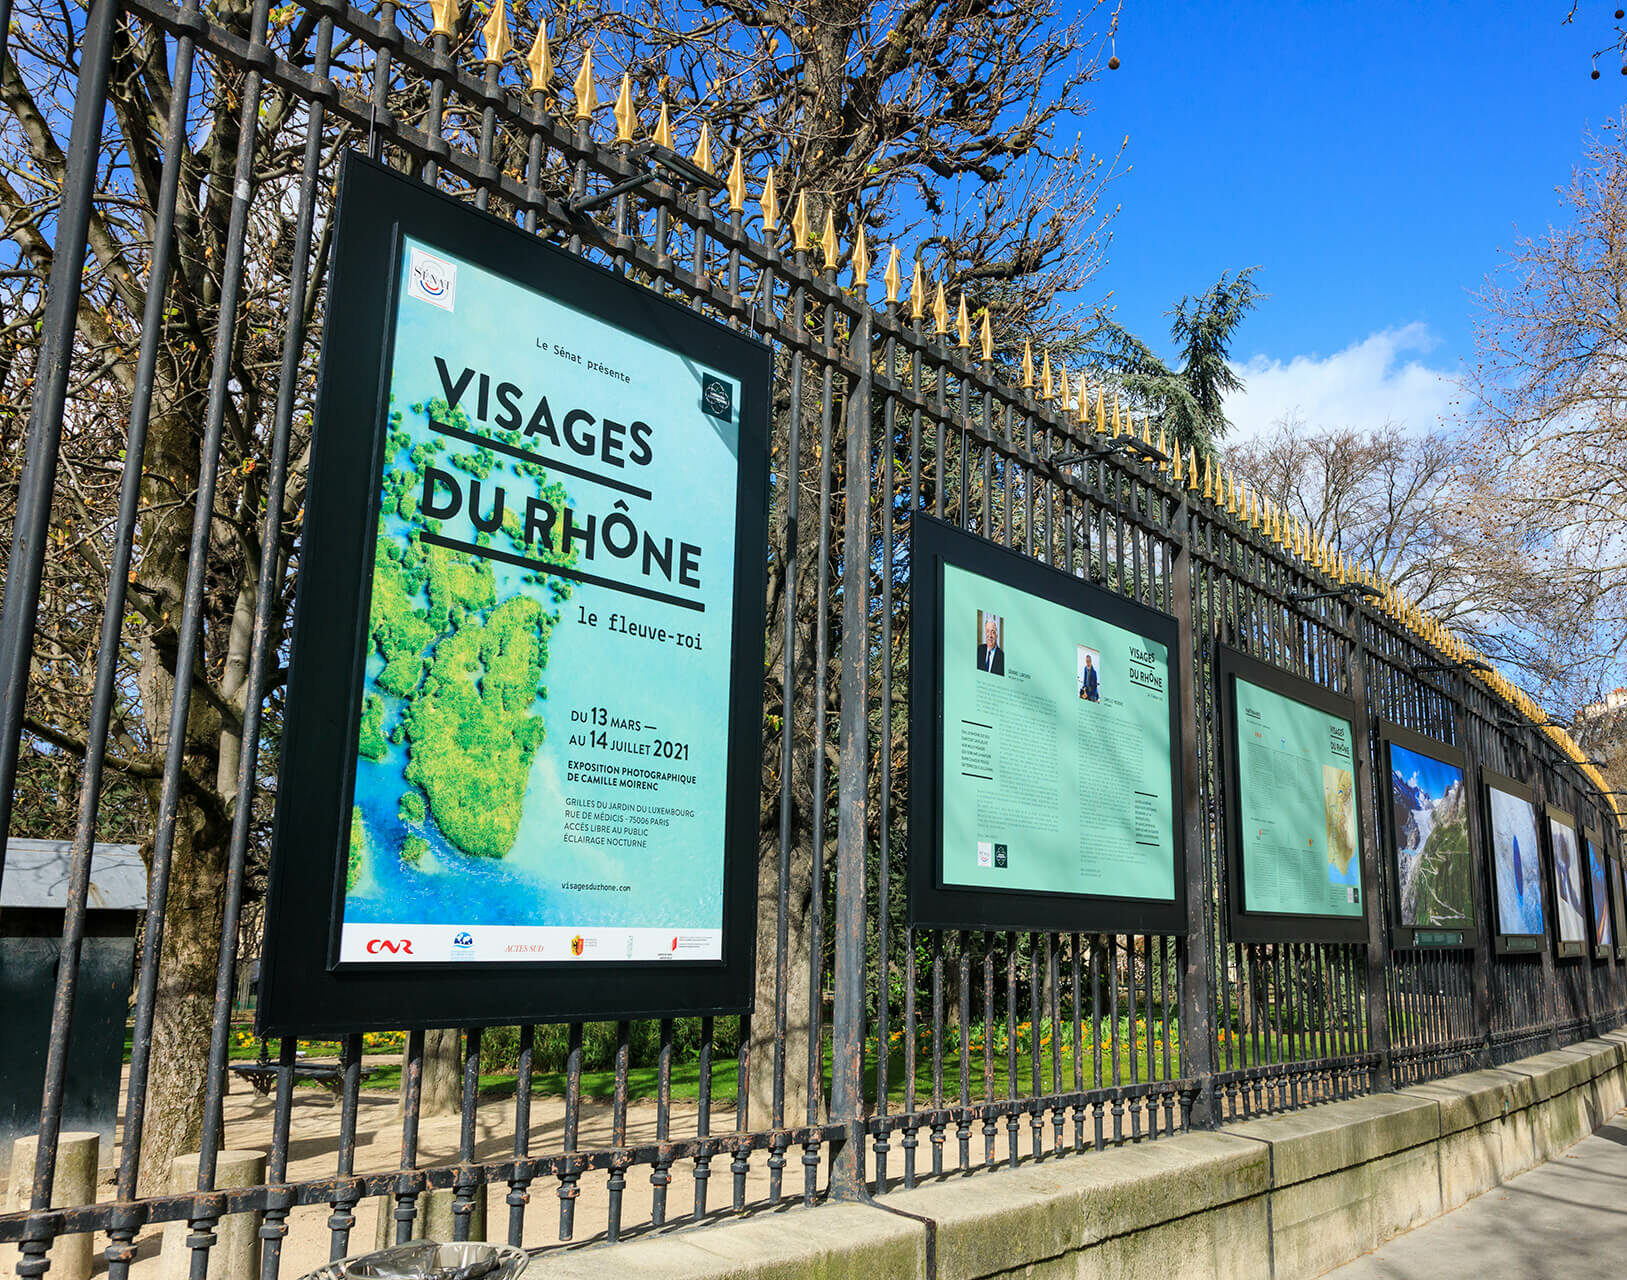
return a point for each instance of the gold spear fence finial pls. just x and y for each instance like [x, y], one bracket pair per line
[703, 148]
[988, 334]
[626, 116]
[1101, 411]
[917, 293]
[446, 17]
[963, 325]
[587, 102]
[940, 311]
[1175, 466]
[663, 128]
[861, 261]
[827, 240]
[1028, 364]
[737, 184]
[498, 44]
[892, 277]
[1046, 388]
[540, 62]
[769, 203]
[799, 223]
[1118, 422]
[1209, 478]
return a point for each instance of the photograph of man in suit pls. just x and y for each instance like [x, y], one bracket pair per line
[991, 656]
[1090, 676]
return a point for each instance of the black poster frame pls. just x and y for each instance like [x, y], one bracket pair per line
[1402, 935]
[932, 904]
[303, 989]
[1504, 943]
[1243, 924]
[1552, 813]
[1618, 886]
[1591, 843]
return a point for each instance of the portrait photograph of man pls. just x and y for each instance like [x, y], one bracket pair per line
[991, 650]
[1090, 674]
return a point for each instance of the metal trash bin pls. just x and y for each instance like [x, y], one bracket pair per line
[429, 1260]
[33, 902]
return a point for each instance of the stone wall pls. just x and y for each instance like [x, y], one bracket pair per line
[1287, 1197]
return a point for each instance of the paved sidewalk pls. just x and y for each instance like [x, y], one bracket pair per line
[1567, 1218]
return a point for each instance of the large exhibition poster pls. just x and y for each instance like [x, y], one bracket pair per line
[1297, 791]
[1599, 882]
[1056, 733]
[1429, 837]
[1570, 901]
[541, 765]
[520, 694]
[1515, 862]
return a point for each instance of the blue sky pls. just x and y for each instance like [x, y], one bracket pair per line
[1373, 158]
[1428, 774]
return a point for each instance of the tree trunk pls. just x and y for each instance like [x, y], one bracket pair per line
[188, 964]
[189, 956]
[764, 1016]
[443, 1073]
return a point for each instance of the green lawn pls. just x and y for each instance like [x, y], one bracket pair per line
[643, 1083]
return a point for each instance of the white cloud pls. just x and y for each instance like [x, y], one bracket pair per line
[1377, 380]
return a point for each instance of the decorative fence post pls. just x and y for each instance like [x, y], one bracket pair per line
[1198, 948]
[1536, 770]
[1480, 972]
[1378, 944]
[852, 785]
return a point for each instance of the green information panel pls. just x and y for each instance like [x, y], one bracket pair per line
[1297, 844]
[1054, 740]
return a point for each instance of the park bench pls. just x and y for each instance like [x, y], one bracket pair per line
[261, 1074]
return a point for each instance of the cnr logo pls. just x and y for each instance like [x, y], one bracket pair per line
[395, 946]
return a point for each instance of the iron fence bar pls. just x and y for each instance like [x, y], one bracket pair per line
[108, 655]
[271, 563]
[25, 566]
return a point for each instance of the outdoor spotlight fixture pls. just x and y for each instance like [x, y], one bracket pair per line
[664, 163]
[1113, 445]
[1453, 664]
[1354, 592]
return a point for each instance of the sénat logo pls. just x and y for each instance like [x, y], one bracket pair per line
[431, 279]
[395, 946]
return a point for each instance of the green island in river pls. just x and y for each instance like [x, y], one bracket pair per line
[462, 656]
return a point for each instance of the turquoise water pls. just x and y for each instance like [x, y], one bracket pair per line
[447, 886]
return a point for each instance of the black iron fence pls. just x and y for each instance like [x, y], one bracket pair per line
[189, 237]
